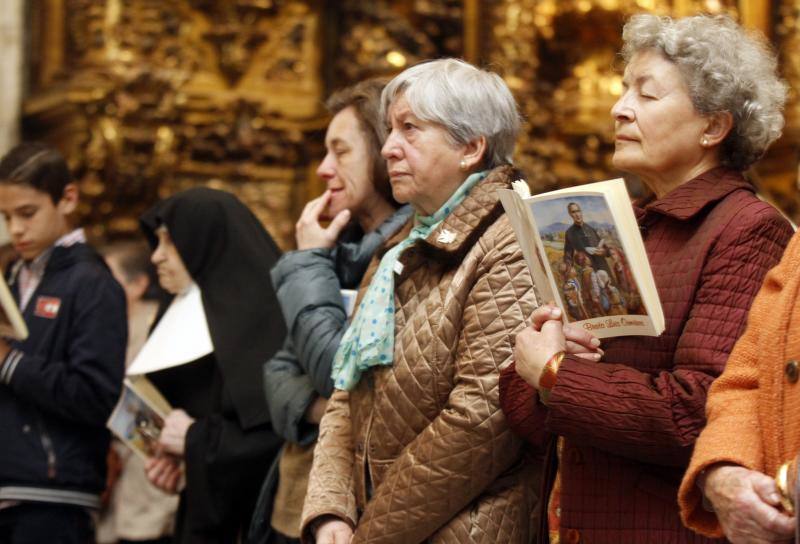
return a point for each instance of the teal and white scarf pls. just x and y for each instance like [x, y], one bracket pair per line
[369, 341]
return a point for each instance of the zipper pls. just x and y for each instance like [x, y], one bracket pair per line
[49, 450]
[47, 444]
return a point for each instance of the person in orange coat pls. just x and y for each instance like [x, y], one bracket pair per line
[744, 463]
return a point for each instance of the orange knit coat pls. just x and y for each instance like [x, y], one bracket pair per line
[752, 407]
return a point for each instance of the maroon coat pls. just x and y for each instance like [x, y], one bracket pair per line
[630, 422]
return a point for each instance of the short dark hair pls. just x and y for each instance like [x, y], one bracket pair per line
[133, 257]
[573, 204]
[37, 165]
[365, 99]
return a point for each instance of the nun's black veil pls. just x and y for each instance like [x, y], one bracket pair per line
[229, 255]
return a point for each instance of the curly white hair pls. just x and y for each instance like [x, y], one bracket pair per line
[726, 69]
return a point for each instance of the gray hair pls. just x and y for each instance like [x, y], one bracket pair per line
[725, 69]
[468, 102]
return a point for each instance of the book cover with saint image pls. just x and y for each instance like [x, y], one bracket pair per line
[12, 325]
[585, 253]
[138, 418]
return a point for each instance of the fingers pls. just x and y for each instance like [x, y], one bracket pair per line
[553, 331]
[339, 222]
[770, 523]
[313, 209]
[163, 473]
[580, 352]
[766, 488]
[581, 340]
[544, 313]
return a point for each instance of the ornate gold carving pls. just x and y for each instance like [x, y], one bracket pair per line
[150, 96]
[159, 95]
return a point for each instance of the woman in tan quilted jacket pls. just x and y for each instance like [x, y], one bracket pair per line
[413, 446]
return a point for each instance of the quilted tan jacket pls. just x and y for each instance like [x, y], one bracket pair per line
[420, 451]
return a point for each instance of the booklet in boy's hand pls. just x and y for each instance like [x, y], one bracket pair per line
[139, 416]
[585, 253]
[11, 323]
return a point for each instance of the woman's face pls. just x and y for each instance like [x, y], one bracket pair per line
[424, 166]
[658, 132]
[172, 274]
[347, 166]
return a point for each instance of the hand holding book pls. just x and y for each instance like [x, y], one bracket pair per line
[546, 336]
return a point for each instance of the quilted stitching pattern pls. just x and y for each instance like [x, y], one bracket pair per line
[630, 423]
[428, 431]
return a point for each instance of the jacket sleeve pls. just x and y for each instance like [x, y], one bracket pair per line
[331, 488]
[656, 417]
[455, 458]
[733, 402]
[520, 403]
[289, 393]
[85, 384]
[310, 297]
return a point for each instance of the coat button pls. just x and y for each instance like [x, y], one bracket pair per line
[572, 536]
[26, 428]
[792, 371]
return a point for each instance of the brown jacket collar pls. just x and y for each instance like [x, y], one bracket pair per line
[688, 199]
[448, 243]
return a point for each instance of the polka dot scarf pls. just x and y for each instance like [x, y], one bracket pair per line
[369, 341]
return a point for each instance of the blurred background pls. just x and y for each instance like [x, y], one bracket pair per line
[147, 97]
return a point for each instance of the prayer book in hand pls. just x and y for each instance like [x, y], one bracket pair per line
[586, 254]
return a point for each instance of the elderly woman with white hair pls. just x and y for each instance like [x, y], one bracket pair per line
[413, 446]
[701, 102]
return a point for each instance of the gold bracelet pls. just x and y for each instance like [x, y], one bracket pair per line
[781, 481]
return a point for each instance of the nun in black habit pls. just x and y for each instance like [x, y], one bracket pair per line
[220, 426]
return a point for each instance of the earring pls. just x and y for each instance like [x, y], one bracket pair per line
[704, 142]
[463, 164]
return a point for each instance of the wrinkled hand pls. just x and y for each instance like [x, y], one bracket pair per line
[579, 342]
[164, 472]
[316, 410]
[545, 337]
[747, 503]
[173, 435]
[310, 234]
[334, 531]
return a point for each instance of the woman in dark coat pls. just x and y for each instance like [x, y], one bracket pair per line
[220, 426]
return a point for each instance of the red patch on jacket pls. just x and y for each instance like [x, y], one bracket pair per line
[47, 307]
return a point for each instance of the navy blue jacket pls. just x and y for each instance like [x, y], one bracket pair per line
[60, 385]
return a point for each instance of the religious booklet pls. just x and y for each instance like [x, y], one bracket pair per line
[11, 323]
[138, 418]
[349, 297]
[585, 253]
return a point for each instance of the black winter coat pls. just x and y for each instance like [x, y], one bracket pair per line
[60, 385]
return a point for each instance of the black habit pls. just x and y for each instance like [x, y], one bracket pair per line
[231, 444]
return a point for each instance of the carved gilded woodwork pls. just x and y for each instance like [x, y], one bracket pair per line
[147, 97]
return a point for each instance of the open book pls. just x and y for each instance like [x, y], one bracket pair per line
[11, 323]
[138, 418]
[585, 253]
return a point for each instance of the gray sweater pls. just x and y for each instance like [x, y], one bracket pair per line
[308, 284]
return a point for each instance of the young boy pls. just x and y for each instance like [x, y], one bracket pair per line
[58, 387]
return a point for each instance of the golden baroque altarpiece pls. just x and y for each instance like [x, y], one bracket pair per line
[147, 97]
